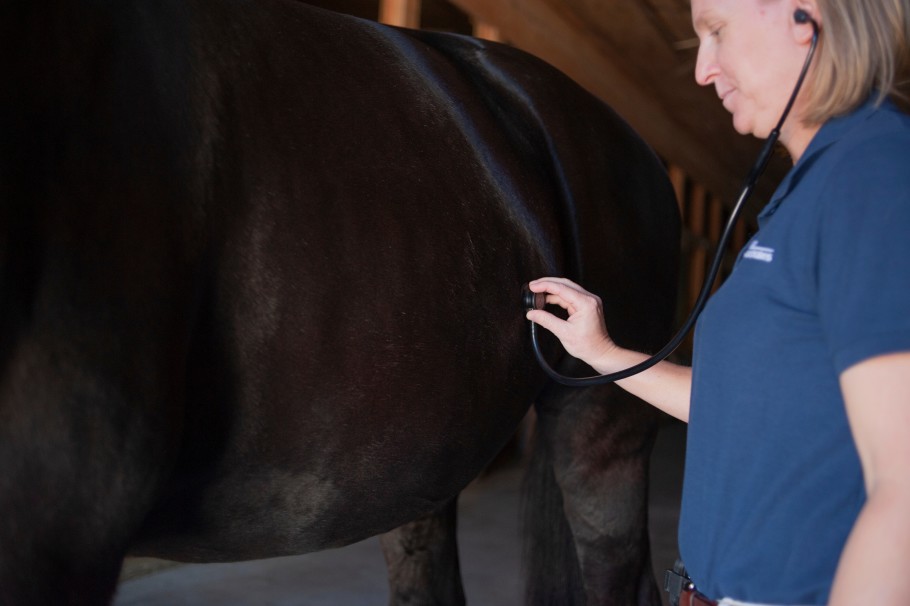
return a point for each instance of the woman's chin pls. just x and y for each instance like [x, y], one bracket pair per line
[742, 126]
[748, 127]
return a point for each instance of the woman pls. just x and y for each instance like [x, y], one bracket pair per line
[797, 484]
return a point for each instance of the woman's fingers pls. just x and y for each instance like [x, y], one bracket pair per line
[564, 293]
[547, 320]
[567, 294]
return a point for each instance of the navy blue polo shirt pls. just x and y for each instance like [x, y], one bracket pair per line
[773, 481]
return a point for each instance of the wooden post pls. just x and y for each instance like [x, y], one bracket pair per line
[403, 13]
[487, 31]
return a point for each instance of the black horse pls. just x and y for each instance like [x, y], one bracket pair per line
[260, 269]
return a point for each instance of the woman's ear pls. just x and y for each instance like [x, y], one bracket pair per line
[806, 18]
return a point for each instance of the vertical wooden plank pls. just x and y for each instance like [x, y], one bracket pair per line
[487, 31]
[715, 217]
[695, 255]
[678, 180]
[715, 220]
[698, 254]
[739, 236]
[403, 13]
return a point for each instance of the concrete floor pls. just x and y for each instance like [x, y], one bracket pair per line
[355, 575]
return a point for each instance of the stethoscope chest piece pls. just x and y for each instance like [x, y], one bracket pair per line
[532, 300]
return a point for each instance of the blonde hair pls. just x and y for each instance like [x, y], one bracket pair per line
[864, 47]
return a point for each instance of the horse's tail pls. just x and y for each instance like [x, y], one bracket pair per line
[551, 569]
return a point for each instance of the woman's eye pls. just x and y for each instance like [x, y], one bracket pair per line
[714, 28]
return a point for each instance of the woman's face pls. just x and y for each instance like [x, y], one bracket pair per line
[748, 51]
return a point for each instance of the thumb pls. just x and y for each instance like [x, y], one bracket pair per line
[547, 320]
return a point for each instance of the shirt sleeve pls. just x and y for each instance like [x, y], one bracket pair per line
[864, 252]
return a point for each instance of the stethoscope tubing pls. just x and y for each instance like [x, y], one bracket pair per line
[536, 302]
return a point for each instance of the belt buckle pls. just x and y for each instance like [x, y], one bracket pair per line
[675, 583]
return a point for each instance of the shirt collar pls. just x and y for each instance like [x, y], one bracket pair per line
[831, 131]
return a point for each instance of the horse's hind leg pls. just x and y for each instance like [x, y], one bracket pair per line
[59, 543]
[80, 461]
[422, 559]
[594, 445]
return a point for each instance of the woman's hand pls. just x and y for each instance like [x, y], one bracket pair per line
[584, 334]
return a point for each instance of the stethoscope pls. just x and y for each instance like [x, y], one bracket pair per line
[533, 300]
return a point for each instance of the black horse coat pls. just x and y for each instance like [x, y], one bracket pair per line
[259, 278]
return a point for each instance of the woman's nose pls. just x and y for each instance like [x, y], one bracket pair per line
[706, 69]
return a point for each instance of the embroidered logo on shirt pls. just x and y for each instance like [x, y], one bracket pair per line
[759, 253]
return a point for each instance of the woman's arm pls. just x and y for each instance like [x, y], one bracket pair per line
[584, 335]
[873, 565]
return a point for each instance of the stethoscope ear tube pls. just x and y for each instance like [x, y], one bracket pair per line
[537, 301]
[533, 300]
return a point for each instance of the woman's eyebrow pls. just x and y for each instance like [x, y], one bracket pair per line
[701, 20]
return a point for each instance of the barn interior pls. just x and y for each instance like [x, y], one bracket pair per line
[639, 57]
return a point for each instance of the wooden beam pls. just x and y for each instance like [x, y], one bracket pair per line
[619, 51]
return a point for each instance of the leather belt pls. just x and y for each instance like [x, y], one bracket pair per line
[690, 597]
[681, 590]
